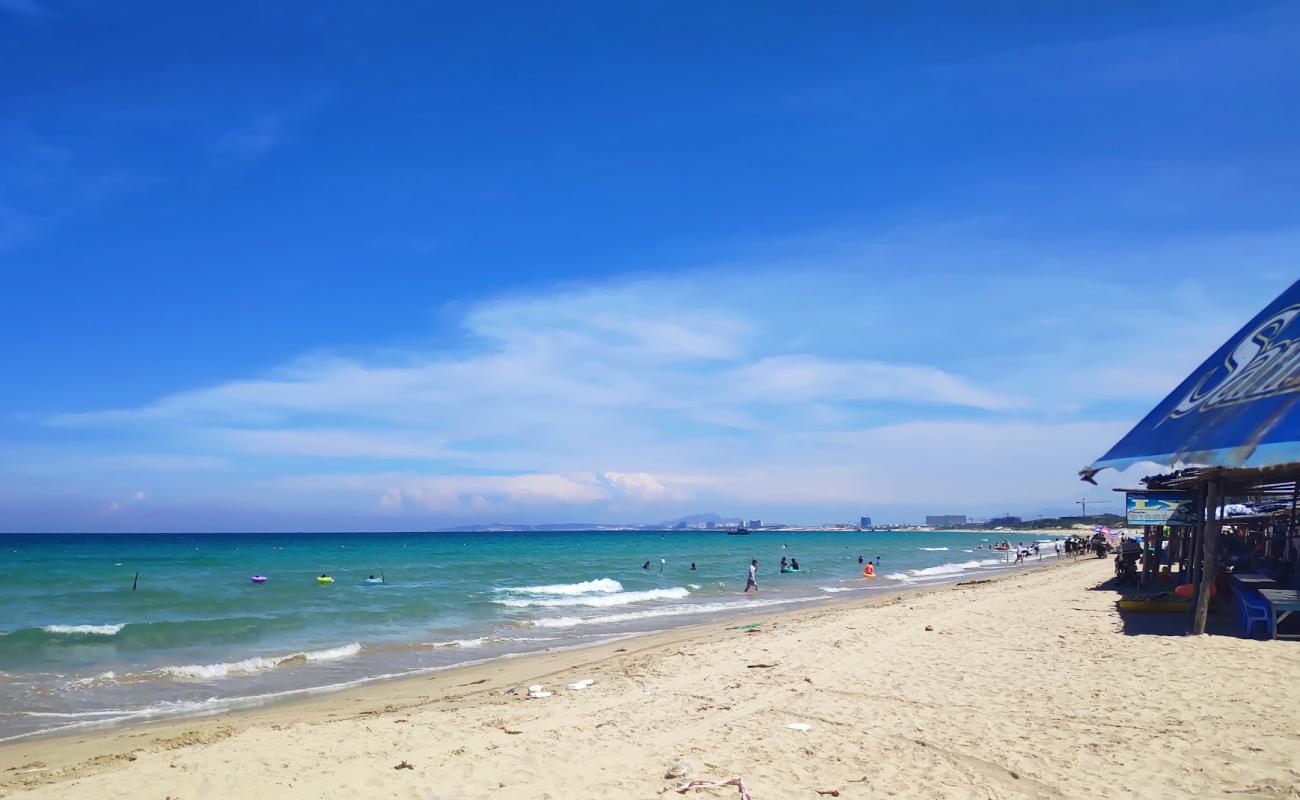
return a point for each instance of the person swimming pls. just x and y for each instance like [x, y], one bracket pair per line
[784, 562]
[794, 563]
[859, 559]
[646, 565]
[692, 566]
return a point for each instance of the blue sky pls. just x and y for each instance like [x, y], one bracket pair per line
[357, 266]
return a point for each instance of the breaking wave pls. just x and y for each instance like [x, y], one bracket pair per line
[600, 585]
[600, 600]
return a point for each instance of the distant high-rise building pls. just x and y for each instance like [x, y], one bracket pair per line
[945, 520]
[865, 522]
[754, 523]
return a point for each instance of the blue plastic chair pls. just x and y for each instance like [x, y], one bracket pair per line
[1254, 608]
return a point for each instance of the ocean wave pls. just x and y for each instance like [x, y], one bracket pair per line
[85, 630]
[943, 570]
[676, 611]
[601, 600]
[463, 643]
[257, 663]
[482, 640]
[155, 634]
[935, 549]
[834, 589]
[76, 714]
[599, 585]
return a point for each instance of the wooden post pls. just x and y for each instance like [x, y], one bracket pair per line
[1210, 540]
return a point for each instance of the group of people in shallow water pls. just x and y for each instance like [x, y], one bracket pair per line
[787, 565]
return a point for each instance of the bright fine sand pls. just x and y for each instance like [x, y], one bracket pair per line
[1026, 687]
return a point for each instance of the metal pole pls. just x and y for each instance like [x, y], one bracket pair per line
[1210, 541]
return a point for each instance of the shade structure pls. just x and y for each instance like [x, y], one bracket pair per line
[1238, 409]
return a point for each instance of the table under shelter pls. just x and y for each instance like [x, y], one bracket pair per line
[1227, 512]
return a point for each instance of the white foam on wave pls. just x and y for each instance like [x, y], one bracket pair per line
[598, 586]
[257, 663]
[103, 677]
[943, 570]
[462, 643]
[834, 589]
[601, 600]
[676, 611]
[935, 549]
[112, 712]
[91, 630]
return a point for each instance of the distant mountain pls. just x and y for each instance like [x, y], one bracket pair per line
[556, 526]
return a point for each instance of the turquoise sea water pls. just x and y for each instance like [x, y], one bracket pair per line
[79, 647]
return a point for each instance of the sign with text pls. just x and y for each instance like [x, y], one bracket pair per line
[1160, 508]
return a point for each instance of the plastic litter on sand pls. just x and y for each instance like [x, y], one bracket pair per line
[537, 692]
[798, 726]
[739, 783]
[583, 684]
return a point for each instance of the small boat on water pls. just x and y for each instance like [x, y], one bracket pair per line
[738, 531]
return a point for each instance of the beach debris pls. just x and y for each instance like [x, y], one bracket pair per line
[753, 627]
[739, 783]
[537, 692]
[929, 627]
[475, 683]
[759, 666]
[830, 792]
[678, 769]
[582, 684]
[511, 690]
[504, 729]
[404, 765]
[798, 726]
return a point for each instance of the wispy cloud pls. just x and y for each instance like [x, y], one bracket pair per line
[254, 138]
[769, 390]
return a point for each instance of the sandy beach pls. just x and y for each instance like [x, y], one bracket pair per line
[1024, 686]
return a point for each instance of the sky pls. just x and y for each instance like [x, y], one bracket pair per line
[366, 266]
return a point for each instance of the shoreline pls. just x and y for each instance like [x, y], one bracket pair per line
[169, 728]
[683, 618]
[1027, 686]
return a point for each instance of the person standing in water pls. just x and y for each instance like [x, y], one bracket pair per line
[753, 576]
[646, 565]
[692, 566]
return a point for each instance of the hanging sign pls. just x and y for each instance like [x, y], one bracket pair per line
[1160, 508]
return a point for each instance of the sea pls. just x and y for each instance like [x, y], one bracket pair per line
[100, 630]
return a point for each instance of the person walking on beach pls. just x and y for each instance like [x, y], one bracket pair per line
[753, 575]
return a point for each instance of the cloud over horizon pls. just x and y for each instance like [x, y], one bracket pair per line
[648, 397]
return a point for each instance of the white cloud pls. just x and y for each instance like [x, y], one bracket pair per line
[777, 391]
[803, 378]
[139, 496]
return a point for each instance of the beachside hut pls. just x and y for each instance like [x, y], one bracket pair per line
[1231, 430]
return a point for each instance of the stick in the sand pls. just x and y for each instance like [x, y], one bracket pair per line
[136, 581]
